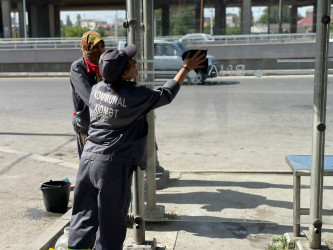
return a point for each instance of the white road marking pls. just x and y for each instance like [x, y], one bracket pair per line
[40, 158]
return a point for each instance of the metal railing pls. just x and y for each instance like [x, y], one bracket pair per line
[50, 43]
[112, 42]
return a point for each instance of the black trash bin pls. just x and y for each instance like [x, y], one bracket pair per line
[56, 196]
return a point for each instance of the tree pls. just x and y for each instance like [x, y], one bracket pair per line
[274, 15]
[158, 22]
[233, 30]
[101, 31]
[183, 23]
[73, 31]
[68, 21]
[78, 20]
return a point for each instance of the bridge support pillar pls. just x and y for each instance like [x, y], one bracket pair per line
[1, 26]
[44, 20]
[165, 20]
[246, 17]
[6, 20]
[293, 19]
[57, 22]
[197, 12]
[21, 17]
[314, 19]
[33, 20]
[220, 18]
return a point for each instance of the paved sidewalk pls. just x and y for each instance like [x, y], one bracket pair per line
[230, 211]
[225, 211]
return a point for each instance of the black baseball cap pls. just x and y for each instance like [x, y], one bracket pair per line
[112, 62]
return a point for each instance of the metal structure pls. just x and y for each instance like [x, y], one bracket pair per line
[148, 18]
[319, 108]
[44, 16]
[134, 37]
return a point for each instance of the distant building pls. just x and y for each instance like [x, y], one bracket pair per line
[259, 29]
[305, 24]
[309, 12]
[92, 24]
[232, 20]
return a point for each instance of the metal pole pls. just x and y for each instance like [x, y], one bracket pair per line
[148, 21]
[319, 109]
[211, 21]
[280, 16]
[24, 20]
[201, 16]
[116, 27]
[134, 35]
[268, 21]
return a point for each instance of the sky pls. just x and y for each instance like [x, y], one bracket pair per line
[109, 16]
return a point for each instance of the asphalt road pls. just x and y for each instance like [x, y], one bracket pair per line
[241, 123]
[232, 124]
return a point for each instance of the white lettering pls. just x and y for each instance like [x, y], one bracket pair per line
[119, 102]
[111, 99]
[107, 111]
[240, 70]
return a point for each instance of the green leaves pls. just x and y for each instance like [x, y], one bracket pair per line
[281, 243]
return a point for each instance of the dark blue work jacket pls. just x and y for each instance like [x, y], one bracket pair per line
[118, 126]
[81, 84]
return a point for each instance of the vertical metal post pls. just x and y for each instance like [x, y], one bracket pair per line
[201, 16]
[319, 109]
[134, 35]
[138, 210]
[268, 20]
[24, 20]
[148, 21]
[116, 27]
[280, 16]
[211, 21]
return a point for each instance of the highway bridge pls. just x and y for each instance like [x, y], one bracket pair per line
[44, 15]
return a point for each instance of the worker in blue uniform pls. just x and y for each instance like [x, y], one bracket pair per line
[84, 74]
[116, 145]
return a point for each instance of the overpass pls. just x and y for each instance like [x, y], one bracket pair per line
[44, 15]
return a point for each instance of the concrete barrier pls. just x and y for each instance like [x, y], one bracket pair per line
[254, 56]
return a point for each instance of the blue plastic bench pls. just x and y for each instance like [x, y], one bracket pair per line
[301, 166]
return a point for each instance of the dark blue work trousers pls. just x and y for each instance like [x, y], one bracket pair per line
[101, 201]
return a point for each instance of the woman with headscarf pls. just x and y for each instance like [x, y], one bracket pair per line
[84, 74]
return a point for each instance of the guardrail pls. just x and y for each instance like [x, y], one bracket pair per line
[48, 43]
[110, 42]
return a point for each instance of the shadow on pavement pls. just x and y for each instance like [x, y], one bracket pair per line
[222, 200]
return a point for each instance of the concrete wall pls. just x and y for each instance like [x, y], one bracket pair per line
[253, 56]
[38, 60]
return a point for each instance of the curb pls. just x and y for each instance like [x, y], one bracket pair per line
[47, 240]
[34, 74]
[248, 73]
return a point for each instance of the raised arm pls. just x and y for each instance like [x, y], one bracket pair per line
[190, 64]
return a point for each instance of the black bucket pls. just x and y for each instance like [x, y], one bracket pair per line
[56, 196]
